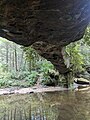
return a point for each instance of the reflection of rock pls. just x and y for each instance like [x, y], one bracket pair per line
[69, 111]
[82, 81]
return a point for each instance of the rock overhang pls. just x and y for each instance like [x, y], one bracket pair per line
[55, 23]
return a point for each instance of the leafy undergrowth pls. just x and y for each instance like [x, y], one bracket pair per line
[14, 83]
[25, 79]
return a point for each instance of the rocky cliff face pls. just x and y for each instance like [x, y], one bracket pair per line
[49, 24]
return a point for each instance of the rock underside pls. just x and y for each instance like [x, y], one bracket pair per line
[47, 24]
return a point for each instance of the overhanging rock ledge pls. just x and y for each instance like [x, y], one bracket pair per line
[49, 24]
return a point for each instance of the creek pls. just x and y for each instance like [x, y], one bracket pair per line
[63, 105]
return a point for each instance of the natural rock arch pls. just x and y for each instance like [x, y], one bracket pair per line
[49, 24]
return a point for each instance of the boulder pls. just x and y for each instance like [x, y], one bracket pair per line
[82, 81]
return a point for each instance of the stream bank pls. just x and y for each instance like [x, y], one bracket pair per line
[35, 89]
[38, 89]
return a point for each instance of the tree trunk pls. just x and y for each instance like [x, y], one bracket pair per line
[7, 52]
[16, 67]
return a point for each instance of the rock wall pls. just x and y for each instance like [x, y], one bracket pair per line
[53, 22]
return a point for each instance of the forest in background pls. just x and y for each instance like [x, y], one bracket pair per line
[23, 67]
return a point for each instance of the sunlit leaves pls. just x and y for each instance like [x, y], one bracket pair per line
[76, 58]
[86, 37]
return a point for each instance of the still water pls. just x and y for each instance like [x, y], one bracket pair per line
[66, 105]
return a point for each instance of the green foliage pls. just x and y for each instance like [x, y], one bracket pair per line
[29, 53]
[85, 48]
[85, 51]
[86, 37]
[32, 77]
[79, 52]
[3, 67]
[2, 83]
[5, 79]
[41, 66]
[76, 58]
[45, 66]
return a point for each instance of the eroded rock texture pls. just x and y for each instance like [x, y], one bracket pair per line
[54, 23]
[52, 53]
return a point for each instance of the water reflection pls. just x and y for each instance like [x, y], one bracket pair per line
[67, 105]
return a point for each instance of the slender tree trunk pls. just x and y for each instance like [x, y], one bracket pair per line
[10, 58]
[7, 51]
[20, 60]
[13, 60]
[16, 67]
[30, 65]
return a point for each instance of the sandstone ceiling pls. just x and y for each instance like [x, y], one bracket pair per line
[47, 24]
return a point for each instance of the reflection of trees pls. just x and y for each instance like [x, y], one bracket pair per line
[22, 114]
[50, 106]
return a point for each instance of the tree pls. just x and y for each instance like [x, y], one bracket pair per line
[76, 58]
[86, 37]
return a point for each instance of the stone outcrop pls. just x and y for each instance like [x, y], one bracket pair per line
[49, 24]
